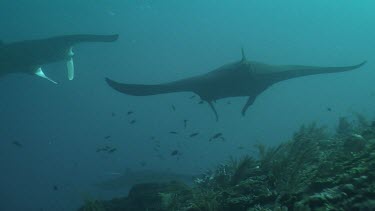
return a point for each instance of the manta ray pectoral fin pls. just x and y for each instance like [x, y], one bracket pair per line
[70, 64]
[214, 110]
[249, 102]
[39, 72]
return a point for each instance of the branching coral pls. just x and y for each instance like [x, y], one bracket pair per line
[243, 169]
[92, 205]
[290, 166]
[344, 127]
[312, 171]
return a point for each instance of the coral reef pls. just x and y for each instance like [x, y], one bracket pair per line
[312, 171]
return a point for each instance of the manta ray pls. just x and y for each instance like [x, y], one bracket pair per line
[30, 55]
[241, 78]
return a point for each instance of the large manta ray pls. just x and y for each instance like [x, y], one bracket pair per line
[242, 78]
[28, 56]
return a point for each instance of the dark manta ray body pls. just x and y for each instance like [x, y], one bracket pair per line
[243, 78]
[28, 56]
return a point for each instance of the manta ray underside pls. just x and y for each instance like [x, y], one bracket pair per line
[28, 56]
[242, 78]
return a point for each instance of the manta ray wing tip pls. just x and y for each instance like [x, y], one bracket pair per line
[115, 37]
[360, 64]
[109, 81]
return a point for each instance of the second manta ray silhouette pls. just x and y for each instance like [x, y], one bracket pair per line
[242, 78]
[28, 56]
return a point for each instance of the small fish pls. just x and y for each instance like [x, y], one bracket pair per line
[173, 132]
[357, 136]
[152, 137]
[229, 102]
[185, 123]
[107, 137]
[133, 121]
[240, 147]
[201, 102]
[329, 109]
[55, 188]
[173, 108]
[175, 152]
[113, 114]
[143, 163]
[113, 173]
[192, 97]
[17, 144]
[157, 142]
[130, 112]
[112, 150]
[216, 136]
[193, 135]
[105, 149]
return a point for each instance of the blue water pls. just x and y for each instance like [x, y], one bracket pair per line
[61, 126]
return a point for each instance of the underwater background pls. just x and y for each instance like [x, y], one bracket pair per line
[60, 127]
